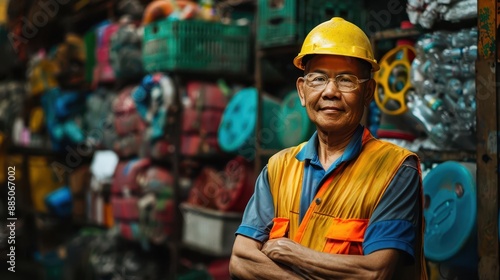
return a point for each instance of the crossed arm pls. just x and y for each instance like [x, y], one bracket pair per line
[285, 259]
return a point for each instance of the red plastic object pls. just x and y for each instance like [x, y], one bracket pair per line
[125, 176]
[157, 10]
[126, 118]
[205, 95]
[206, 188]
[103, 72]
[128, 145]
[155, 179]
[238, 186]
[129, 231]
[192, 145]
[219, 269]
[395, 134]
[201, 121]
[125, 208]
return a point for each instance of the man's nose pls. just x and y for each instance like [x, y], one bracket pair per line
[331, 90]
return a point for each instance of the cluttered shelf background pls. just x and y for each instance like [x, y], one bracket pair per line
[137, 128]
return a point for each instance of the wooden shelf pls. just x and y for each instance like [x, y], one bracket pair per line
[396, 33]
[281, 50]
[441, 156]
[45, 152]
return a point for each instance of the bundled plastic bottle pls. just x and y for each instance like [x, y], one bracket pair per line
[464, 54]
[444, 72]
[442, 75]
[463, 38]
[454, 88]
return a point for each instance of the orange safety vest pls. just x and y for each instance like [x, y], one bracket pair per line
[337, 219]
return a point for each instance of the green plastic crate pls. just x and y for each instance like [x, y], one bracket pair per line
[196, 45]
[277, 22]
[318, 11]
[287, 22]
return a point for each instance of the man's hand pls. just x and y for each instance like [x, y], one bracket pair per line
[249, 262]
[281, 249]
[310, 264]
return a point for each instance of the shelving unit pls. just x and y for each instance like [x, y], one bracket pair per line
[488, 120]
[485, 156]
[181, 78]
[262, 153]
[487, 116]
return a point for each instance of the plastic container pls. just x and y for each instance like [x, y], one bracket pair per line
[196, 45]
[237, 129]
[209, 231]
[297, 127]
[60, 202]
[287, 22]
[53, 265]
[450, 214]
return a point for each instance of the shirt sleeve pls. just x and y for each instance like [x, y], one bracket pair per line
[395, 221]
[259, 212]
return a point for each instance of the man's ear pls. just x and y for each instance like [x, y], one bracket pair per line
[300, 90]
[369, 92]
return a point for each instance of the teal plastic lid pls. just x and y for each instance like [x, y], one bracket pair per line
[449, 209]
[237, 127]
[297, 127]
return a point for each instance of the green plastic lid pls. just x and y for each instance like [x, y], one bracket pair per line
[297, 127]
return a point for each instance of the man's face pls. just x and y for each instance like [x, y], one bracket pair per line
[330, 109]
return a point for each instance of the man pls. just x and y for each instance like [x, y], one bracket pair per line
[343, 205]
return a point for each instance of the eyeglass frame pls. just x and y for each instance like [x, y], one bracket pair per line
[359, 81]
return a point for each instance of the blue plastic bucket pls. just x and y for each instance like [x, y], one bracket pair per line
[236, 132]
[297, 127]
[450, 214]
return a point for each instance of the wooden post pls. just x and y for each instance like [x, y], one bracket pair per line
[487, 89]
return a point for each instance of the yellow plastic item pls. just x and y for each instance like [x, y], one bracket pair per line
[393, 80]
[3, 11]
[36, 120]
[43, 77]
[337, 37]
[43, 180]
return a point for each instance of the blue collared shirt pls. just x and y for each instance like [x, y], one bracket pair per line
[392, 225]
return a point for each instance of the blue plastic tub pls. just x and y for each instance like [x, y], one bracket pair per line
[237, 128]
[450, 233]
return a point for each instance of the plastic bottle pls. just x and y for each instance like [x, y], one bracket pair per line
[464, 38]
[454, 88]
[426, 119]
[465, 54]
[432, 87]
[420, 112]
[416, 77]
[469, 87]
[433, 102]
[447, 71]
[432, 46]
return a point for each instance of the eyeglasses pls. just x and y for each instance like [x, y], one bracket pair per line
[343, 82]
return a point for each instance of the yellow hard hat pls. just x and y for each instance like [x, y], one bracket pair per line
[337, 37]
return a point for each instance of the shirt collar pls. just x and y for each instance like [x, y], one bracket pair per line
[310, 149]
